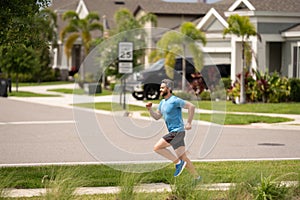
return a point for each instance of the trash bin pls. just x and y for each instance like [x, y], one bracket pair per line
[3, 87]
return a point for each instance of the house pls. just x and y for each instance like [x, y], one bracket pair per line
[170, 16]
[277, 22]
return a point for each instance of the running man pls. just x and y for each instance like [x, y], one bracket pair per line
[170, 108]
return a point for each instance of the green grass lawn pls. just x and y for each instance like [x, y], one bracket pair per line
[228, 106]
[213, 172]
[42, 83]
[280, 108]
[79, 91]
[30, 94]
[228, 119]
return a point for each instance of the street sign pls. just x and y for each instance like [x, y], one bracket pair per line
[125, 51]
[125, 67]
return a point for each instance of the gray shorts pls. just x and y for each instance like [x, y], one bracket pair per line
[175, 139]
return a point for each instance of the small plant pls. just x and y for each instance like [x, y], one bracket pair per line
[269, 189]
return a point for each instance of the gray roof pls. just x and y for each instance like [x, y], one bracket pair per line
[163, 7]
[277, 5]
[274, 5]
[64, 5]
[159, 7]
[295, 28]
[109, 7]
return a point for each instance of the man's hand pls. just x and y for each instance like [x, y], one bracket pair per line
[155, 114]
[188, 126]
[149, 105]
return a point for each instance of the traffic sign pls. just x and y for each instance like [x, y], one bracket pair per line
[125, 51]
[125, 67]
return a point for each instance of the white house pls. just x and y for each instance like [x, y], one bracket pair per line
[278, 23]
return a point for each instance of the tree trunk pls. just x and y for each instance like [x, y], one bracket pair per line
[242, 92]
[17, 82]
[183, 70]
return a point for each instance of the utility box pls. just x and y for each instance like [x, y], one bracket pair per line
[3, 87]
[92, 88]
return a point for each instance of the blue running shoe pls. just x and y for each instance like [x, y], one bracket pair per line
[197, 180]
[179, 168]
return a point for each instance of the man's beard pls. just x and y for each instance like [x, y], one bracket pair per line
[163, 94]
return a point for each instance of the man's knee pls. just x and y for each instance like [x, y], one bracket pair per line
[156, 148]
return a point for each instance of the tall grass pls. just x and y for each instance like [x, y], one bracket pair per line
[128, 181]
[185, 187]
[61, 184]
[5, 183]
[239, 191]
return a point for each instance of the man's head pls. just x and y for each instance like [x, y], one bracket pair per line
[166, 87]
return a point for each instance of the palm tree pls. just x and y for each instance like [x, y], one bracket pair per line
[175, 43]
[126, 21]
[241, 27]
[79, 28]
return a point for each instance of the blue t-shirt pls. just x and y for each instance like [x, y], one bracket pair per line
[171, 109]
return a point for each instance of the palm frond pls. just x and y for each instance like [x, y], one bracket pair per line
[197, 56]
[68, 29]
[69, 43]
[70, 15]
[92, 16]
[96, 26]
[122, 15]
[148, 18]
[169, 39]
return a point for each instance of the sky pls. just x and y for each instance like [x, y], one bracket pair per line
[208, 1]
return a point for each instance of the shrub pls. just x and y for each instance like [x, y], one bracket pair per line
[295, 89]
[186, 96]
[226, 83]
[205, 95]
[268, 88]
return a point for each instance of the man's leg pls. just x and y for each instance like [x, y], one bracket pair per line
[161, 148]
[180, 152]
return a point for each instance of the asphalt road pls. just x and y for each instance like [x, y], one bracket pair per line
[34, 133]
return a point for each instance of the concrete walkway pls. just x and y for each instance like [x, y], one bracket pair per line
[147, 188]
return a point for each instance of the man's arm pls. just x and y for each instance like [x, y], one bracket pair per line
[156, 115]
[191, 111]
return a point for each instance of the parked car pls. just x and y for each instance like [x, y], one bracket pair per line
[146, 83]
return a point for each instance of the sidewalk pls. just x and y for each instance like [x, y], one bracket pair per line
[66, 100]
[147, 188]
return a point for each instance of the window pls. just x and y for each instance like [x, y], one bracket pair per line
[296, 61]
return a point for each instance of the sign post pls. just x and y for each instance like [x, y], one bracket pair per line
[125, 66]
